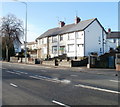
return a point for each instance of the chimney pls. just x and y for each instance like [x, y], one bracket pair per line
[77, 20]
[61, 23]
[109, 30]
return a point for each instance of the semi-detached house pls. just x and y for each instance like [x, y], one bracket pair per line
[75, 40]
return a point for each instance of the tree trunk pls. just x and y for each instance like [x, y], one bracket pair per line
[7, 54]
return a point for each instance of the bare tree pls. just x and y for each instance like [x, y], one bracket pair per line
[11, 29]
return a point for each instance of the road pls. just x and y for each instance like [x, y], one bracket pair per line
[38, 85]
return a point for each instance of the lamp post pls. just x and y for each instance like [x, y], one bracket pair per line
[25, 42]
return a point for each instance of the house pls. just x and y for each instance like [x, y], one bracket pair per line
[17, 45]
[32, 49]
[31, 45]
[75, 40]
[113, 39]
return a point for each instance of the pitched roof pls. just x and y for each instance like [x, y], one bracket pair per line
[113, 35]
[31, 43]
[67, 28]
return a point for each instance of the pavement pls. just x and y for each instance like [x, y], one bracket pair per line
[100, 71]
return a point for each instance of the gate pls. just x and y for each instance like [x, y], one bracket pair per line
[118, 62]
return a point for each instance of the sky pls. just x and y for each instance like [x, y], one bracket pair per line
[46, 15]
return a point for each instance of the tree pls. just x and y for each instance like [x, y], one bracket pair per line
[118, 48]
[11, 30]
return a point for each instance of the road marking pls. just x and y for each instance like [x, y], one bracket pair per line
[21, 72]
[114, 81]
[50, 79]
[44, 78]
[65, 81]
[13, 85]
[59, 103]
[18, 73]
[13, 72]
[10, 72]
[95, 88]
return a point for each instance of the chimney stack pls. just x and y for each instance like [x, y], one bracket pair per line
[61, 23]
[109, 30]
[77, 20]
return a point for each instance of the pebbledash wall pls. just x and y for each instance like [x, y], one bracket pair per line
[76, 44]
[95, 37]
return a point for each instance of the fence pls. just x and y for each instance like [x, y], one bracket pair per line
[117, 62]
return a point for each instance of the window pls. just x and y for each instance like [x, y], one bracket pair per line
[39, 41]
[79, 45]
[44, 50]
[42, 40]
[61, 37]
[78, 35]
[114, 40]
[71, 48]
[100, 50]
[62, 49]
[54, 39]
[54, 49]
[50, 39]
[71, 36]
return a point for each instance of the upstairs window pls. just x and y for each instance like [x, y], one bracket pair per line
[54, 39]
[61, 37]
[42, 40]
[71, 47]
[79, 35]
[71, 36]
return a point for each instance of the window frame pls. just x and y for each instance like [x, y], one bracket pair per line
[69, 34]
[53, 41]
[69, 47]
[61, 36]
[53, 52]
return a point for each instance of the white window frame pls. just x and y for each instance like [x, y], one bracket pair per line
[71, 36]
[53, 50]
[62, 51]
[70, 49]
[54, 39]
[42, 40]
[61, 36]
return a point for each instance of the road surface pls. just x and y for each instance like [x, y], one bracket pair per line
[38, 85]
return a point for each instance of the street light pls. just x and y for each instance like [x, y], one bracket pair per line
[25, 29]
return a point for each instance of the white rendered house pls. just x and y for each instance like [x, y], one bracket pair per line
[75, 40]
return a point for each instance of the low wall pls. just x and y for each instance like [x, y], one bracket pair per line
[60, 63]
[19, 60]
[51, 63]
[14, 59]
[65, 63]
